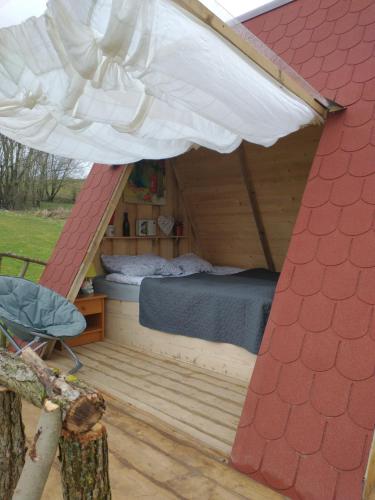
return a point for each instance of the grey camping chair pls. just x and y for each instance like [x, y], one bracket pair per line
[36, 315]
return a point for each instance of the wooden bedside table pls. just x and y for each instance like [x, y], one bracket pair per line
[92, 307]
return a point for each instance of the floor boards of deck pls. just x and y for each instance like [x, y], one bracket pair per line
[170, 427]
[149, 459]
[200, 403]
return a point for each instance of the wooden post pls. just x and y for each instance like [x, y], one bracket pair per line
[12, 442]
[84, 464]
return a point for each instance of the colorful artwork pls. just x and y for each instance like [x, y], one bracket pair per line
[147, 183]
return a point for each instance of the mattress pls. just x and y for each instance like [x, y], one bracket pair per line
[231, 309]
[116, 291]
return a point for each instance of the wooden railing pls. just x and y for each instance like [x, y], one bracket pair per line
[26, 262]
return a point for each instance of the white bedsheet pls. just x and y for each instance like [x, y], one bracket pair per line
[137, 280]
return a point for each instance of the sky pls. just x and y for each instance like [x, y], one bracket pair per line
[16, 11]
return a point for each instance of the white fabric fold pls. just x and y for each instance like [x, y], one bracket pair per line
[116, 81]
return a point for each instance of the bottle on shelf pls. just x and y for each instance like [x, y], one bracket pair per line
[126, 225]
[110, 232]
[179, 228]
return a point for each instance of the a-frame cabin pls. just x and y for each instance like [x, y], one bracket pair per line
[305, 206]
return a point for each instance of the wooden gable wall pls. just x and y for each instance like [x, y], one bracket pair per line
[215, 193]
[208, 191]
[166, 247]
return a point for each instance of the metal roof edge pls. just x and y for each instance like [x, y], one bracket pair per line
[263, 9]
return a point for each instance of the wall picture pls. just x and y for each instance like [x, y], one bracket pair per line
[147, 183]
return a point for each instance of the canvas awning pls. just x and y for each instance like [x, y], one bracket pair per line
[115, 81]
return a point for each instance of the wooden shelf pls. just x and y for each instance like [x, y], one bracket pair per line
[144, 237]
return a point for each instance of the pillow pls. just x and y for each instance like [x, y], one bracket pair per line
[191, 264]
[169, 268]
[133, 265]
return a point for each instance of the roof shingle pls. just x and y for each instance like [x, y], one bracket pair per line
[321, 413]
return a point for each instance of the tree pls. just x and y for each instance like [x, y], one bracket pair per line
[54, 171]
[16, 164]
[28, 176]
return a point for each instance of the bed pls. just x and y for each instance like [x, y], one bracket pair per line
[214, 320]
[220, 308]
[232, 309]
[116, 291]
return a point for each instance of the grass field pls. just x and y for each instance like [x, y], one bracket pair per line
[25, 234]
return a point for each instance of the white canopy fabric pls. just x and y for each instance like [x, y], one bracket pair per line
[116, 81]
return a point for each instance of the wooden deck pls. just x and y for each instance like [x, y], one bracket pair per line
[204, 405]
[150, 460]
[149, 457]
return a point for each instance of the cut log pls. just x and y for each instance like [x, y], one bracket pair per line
[41, 455]
[12, 442]
[82, 407]
[84, 464]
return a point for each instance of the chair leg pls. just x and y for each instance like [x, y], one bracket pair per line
[32, 343]
[10, 339]
[78, 365]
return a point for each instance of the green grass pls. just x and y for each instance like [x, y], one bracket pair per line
[24, 234]
[52, 205]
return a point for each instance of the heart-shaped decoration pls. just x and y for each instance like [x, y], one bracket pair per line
[166, 223]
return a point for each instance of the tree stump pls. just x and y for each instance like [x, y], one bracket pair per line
[84, 464]
[12, 442]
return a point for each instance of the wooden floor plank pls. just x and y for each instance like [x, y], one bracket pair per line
[238, 384]
[150, 386]
[149, 459]
[204, 406]
[167, 379]
[217, 436]
[188, 377]
[201, 459]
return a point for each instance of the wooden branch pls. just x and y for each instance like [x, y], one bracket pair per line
[81, 406]
[40, 458]
[24, 259]
[24, 268]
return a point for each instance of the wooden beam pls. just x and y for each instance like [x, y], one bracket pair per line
[250, 188]
[94, 245]
[254, 54]
[194, 229]
[369, 479]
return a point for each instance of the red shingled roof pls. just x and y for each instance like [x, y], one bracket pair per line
[80, 228]
[309, 417]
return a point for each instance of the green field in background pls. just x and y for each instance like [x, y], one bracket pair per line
[25, 234]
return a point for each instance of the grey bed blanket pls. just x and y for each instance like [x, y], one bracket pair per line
[232, 309]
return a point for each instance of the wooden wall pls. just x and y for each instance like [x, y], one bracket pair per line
[216, 197]
[210, 190]
[166, 247]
